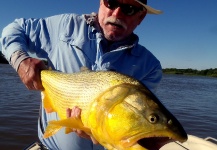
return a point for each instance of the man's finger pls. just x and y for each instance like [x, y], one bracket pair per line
[76, 112]
[68, 112]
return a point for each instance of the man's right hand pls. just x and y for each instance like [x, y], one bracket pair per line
[29, 72]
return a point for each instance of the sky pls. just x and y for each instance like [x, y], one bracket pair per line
[184, 36]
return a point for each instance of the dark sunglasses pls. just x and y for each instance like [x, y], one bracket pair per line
[127, 9]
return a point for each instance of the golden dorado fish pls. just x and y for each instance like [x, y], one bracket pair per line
[117, 110]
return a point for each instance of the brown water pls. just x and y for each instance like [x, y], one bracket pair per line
[193, 100]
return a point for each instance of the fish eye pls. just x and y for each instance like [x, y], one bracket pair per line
[153, 118]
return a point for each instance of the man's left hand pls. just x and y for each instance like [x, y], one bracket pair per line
[76, 112]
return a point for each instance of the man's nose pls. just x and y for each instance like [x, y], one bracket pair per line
[117, 12]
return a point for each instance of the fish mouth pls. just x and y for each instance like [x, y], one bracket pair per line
[154, 143]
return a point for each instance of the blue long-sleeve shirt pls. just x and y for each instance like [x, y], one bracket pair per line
[70, 41]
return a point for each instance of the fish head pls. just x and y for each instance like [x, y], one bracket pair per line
[131, 116]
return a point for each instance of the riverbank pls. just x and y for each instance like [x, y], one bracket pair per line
[2, 59]
[207, 72]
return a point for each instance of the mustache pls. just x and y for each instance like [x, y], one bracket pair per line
[115, 21]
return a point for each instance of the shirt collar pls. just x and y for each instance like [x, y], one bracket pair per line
[128, 44]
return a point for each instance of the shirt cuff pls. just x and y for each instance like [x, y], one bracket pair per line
[17, 57]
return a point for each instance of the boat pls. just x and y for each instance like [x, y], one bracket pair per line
[35, 146]
[193, 143]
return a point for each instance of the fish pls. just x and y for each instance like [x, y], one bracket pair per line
[120, 112]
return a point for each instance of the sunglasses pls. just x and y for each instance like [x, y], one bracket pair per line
[127, 9]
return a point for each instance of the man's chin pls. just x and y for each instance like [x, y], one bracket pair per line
[114, 37]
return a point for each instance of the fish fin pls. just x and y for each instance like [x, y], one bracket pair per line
[71, 123]
[84, 69]
[47, 104]
[68, 130]
[51, 129]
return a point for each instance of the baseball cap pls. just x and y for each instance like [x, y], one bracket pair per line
[150, 10]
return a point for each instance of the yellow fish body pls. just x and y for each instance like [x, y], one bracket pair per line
[117, 110]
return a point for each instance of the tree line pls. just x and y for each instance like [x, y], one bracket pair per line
[207, 72]
[2, 59]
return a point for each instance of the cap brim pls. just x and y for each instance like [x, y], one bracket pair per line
[150, 10]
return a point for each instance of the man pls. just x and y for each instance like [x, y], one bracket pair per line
[103, 41]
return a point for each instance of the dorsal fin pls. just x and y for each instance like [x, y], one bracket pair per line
[84, 69]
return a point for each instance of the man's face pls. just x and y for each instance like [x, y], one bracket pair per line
[116, 24]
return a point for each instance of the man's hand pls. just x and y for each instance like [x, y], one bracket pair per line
[76, 112]
[29, 72]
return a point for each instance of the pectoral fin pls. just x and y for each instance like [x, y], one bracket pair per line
[68, 130]
[69, 123]
[51, 129]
